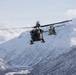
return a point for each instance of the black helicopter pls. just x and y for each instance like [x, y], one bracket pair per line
[37, 32]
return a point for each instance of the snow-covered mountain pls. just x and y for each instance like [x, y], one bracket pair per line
[19, 53]
[64, 64]
[8, 34]
[3, 65]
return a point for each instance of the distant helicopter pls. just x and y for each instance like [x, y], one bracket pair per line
[37, 33]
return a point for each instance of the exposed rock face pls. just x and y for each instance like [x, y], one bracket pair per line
[64, 64]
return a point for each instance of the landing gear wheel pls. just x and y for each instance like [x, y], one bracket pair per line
[43, 41]
[55, 33]
[31, 42]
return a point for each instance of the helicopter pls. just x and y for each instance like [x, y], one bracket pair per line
[37, 33]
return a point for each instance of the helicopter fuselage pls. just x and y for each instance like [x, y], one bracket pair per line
[36, 35]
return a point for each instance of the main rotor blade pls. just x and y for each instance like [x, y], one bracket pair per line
[56, 23]
[15, 28]
[59, 26]
[36, 26]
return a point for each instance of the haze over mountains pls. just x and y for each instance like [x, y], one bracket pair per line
[6, 33]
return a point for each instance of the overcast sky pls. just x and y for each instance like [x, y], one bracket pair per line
[26, 12]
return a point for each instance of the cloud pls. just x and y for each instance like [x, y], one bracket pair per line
[71, 13]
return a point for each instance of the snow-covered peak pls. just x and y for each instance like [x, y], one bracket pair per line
[6, 33]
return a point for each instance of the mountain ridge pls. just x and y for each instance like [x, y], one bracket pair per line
[19, 53]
